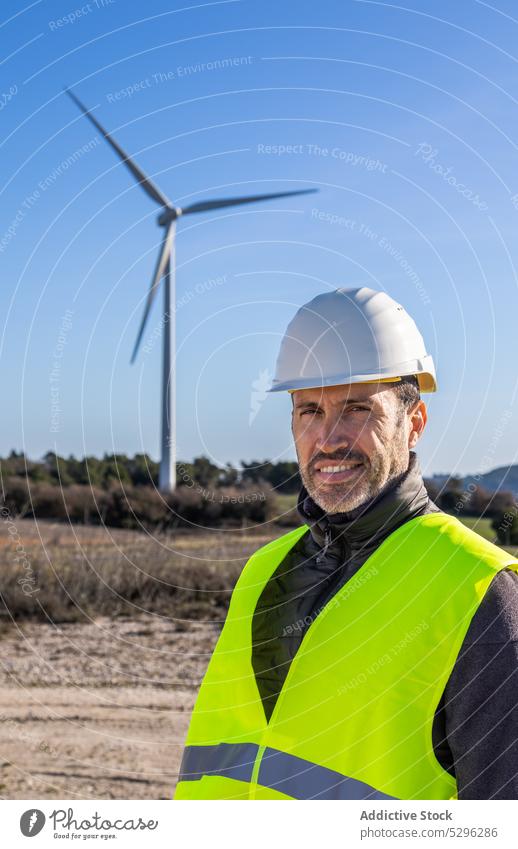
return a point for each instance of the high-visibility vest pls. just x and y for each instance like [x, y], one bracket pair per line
[354, 717]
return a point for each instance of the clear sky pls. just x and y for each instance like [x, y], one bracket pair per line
[404, 116]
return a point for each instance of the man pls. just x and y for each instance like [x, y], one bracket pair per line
[372, 652]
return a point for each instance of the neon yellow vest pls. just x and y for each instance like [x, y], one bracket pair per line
[354, 717]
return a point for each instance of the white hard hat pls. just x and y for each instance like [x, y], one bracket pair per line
[351, 336]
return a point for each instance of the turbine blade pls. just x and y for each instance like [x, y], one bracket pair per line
[205, 205]
[148, 186]
[163, 256]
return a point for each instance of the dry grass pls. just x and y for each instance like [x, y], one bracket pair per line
[63, 573]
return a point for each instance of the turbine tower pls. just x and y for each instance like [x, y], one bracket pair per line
[164, 270]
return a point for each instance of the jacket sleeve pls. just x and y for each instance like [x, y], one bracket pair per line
[480, 699]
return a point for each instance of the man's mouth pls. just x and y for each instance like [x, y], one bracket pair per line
[337, 472]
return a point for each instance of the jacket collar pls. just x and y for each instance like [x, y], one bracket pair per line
[368, 524]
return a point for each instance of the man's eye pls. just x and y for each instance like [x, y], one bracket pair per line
[349, 410]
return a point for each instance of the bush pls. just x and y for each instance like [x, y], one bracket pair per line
[133, 507]
[16, 496]
[505, 524]
[229, 505]
[84, 504]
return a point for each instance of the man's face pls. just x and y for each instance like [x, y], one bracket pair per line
[351, 440]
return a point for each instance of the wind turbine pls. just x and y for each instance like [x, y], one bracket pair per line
[165, 270]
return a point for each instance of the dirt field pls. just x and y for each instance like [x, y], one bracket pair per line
[96, 705]
[98, 710]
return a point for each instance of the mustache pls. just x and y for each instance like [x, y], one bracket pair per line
[351, 456]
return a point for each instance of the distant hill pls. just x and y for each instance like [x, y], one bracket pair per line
[503, 479]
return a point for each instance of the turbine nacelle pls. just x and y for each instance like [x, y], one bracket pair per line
[168, 215]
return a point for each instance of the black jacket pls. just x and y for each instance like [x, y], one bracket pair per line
[475, 730]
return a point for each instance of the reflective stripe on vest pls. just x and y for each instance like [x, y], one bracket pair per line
[290, 775]
[356, 709]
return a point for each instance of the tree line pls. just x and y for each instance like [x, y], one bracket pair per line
[122, 491]
[142, 470]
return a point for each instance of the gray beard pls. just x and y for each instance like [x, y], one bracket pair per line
[395, 476]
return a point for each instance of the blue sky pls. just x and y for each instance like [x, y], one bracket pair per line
[404, 117]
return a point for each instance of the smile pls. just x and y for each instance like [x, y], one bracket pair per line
[334, 469]
[338, 474]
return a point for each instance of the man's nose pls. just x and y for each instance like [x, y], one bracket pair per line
[333, 436]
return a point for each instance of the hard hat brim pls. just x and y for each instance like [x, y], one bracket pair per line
[425, 378]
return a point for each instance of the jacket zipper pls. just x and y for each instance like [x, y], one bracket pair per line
[327, 542]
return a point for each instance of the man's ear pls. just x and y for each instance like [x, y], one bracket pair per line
[418, 418]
